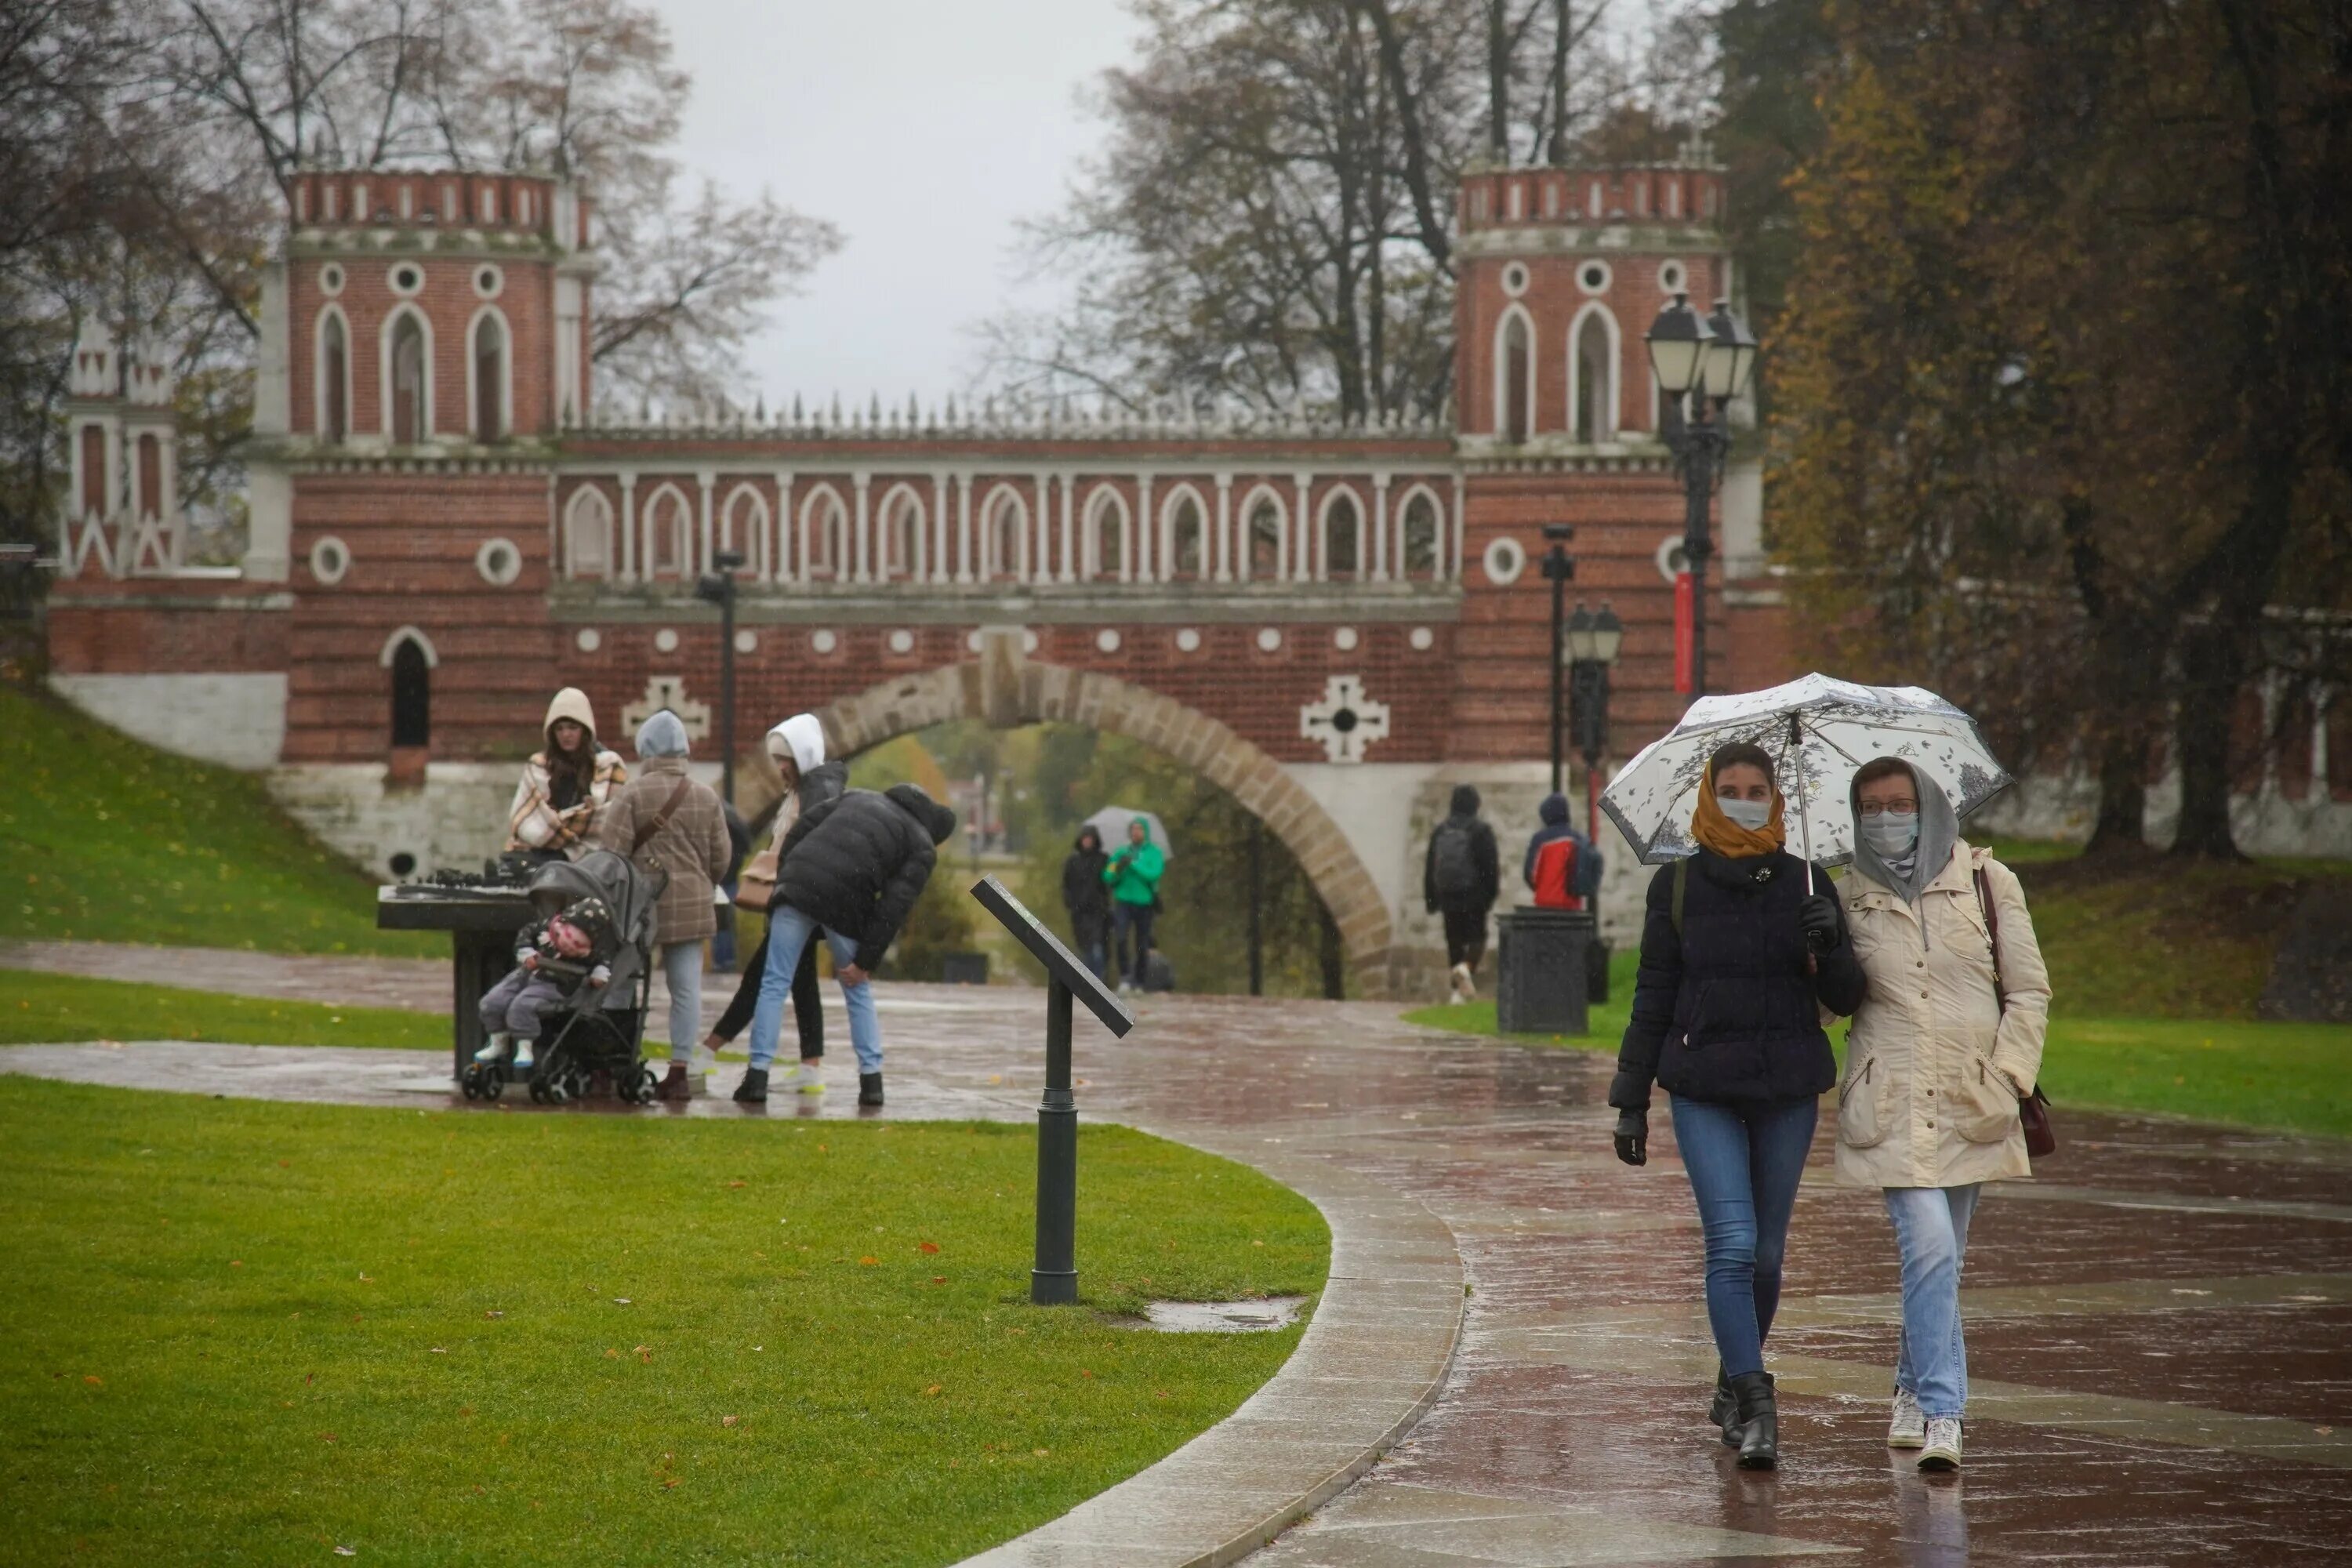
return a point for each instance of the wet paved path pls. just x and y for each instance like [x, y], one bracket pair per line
[2160, 1332]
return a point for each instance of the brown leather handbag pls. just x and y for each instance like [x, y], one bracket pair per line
[2032, 1110]
[755, 884]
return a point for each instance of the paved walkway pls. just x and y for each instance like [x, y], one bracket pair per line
[2161, 1331]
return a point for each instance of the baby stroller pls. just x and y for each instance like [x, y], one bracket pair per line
[596, 1030]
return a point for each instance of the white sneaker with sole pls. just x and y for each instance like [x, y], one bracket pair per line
[496, 1051]
[1942, 1449]
[523, 1058]
[801, 1080]
[1908, 1427]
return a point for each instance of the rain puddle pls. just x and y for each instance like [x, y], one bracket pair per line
[1223, 1317]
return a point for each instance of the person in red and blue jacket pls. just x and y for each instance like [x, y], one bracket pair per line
[1562, 868]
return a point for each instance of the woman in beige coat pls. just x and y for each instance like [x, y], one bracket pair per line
[1944, 1046]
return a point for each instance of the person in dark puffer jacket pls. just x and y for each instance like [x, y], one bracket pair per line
[1742, 946]
[855, 866]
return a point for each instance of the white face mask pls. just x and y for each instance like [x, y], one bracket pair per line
[1893, 833]
[1751, 814]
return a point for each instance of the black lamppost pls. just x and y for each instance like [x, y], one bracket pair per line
[1593, 644]
[718, 588]
[1709, 363]
[1557, 568]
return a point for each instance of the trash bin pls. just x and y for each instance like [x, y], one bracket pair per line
[1541, 989]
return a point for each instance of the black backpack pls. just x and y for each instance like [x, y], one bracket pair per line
[1454, 869]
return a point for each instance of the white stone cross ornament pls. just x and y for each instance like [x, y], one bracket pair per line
[1346, 722]
[668, 691]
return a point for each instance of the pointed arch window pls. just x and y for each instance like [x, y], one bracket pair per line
[669, 535]
[1264, 524]
[824, 534]
[488, 395]
[1419, 528]
[334, 415]
[1593, 351]
[1343, 538]
[588, 535]
[743, 525]
[1004, 539]
[410, 372]
[1107, 528]
[1514, 370]
[1186, 531]
[411, 694]
[902, 535]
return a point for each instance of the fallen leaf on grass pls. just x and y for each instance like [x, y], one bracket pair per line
[94, 1380]
[729, 1420]
[494, 1314]
[1040, 1452]
[868, 1261]
[927, 1247]
[938, 1278]
[735, 1184]
[440, 1349]
[365, 1281]
[621, 1301]
[643, 1353]
[237, 1263]
[613, 1354]
[326, 1436]
[347, 1551]
[669, 1482]
[1158, 1393]
[1084, 1373]
[930, 1391]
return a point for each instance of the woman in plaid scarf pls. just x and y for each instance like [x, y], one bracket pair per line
[555, 804]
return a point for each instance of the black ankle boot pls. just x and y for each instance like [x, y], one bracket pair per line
[1758, 1422]
[1724, 1407]
[753, 1090]
[870, 1089]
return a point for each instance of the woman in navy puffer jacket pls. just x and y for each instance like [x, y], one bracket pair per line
[1742, 946]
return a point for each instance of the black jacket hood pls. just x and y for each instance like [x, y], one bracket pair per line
[1466, 800]
[937, 820]
[1554, 810]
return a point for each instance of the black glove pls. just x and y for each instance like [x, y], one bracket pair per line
[1823, 923]
[1633, 1137]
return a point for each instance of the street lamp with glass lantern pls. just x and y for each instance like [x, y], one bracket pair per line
[1707, 361]
[718, 588]
[1593, 641]
[1558, 569]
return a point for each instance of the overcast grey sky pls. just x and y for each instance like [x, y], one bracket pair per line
[924, 129]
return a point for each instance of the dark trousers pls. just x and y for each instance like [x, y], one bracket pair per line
[808, 1004]
[1130, 921]
[1466, 937]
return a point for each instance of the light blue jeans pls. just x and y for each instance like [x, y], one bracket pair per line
[1931, 1231]
[681, 967]
[788, 932]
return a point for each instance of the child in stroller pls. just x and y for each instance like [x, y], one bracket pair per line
[553, 957]
[575, 1005]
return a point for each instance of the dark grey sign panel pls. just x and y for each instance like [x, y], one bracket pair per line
[1059, 961]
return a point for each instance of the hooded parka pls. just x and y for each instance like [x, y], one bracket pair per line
[536, 819]
[1936, 1063]
[857, 863]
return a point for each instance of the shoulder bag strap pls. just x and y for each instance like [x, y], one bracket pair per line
[1993, 930]
[661, 818]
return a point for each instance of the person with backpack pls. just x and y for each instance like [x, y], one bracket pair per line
[1563, 868]
[1133, 877]
[1946, 1048]
[851, 867]
[664, 819]
[1461, 878]
[1743, 945]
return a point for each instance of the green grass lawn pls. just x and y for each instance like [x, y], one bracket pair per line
[237, 1331]
[38, 1006]
[104, 840]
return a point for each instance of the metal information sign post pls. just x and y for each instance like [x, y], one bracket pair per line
[1055, 1279]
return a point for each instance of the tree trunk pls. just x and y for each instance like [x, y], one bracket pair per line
[2201, 727]
[2122, 824]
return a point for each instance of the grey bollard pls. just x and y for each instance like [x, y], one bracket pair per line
[1541, 987]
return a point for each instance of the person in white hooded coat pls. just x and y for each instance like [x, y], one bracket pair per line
[564, 785]
[1948, 1040]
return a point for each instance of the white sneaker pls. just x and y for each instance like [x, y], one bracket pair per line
[1942, 1449]
[801, 1080]
[496, 1051]
[523, 1057]
[1908, 1428]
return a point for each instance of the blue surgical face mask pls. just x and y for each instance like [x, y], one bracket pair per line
[1893, 833]
[1751, 814]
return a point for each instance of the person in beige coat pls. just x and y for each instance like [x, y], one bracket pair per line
[1946, 1042]
[664, 818]
[564, 787]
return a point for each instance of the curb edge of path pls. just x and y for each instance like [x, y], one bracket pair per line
[1372, 1361]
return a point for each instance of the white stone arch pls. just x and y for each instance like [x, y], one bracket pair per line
[490, 313]
[1246, 533]
[392, 321]
[1420, 490]
[1608, 394]
[1003, 540]
[751, 536]
[1513, 316]
[666, 501]
[1046, 693]
[1361, 570]
[824, 534]
[331, 314]
[896, 555]
[588, 534]
[1172, 547]
[409, 633]
[1105, 499]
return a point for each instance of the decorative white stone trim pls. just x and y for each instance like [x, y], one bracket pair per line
[1187, 640]
[1422, 640]
[409, 633]
[405, 278]
[331, 279]
[1346, 722]
[667, 691]
[1505, 559]
[665, 641]
[589, 640]
[1106, 639]
[746, 641]
[1515, 278]
[824, 639]
[1673, 557]
[1269, 638]
[330, 559]
[489, 280]
[1345, 640]
[499, 561]
[1592, 275]
[902, 641]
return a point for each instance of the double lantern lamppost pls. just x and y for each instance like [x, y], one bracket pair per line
[718, 588]
[1592, 641]
[1704, 362]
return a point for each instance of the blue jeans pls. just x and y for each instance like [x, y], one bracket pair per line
[1931, 1230]
[788, 932]
[1744, 1162]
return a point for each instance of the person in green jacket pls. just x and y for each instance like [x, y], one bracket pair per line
[1134, 878]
